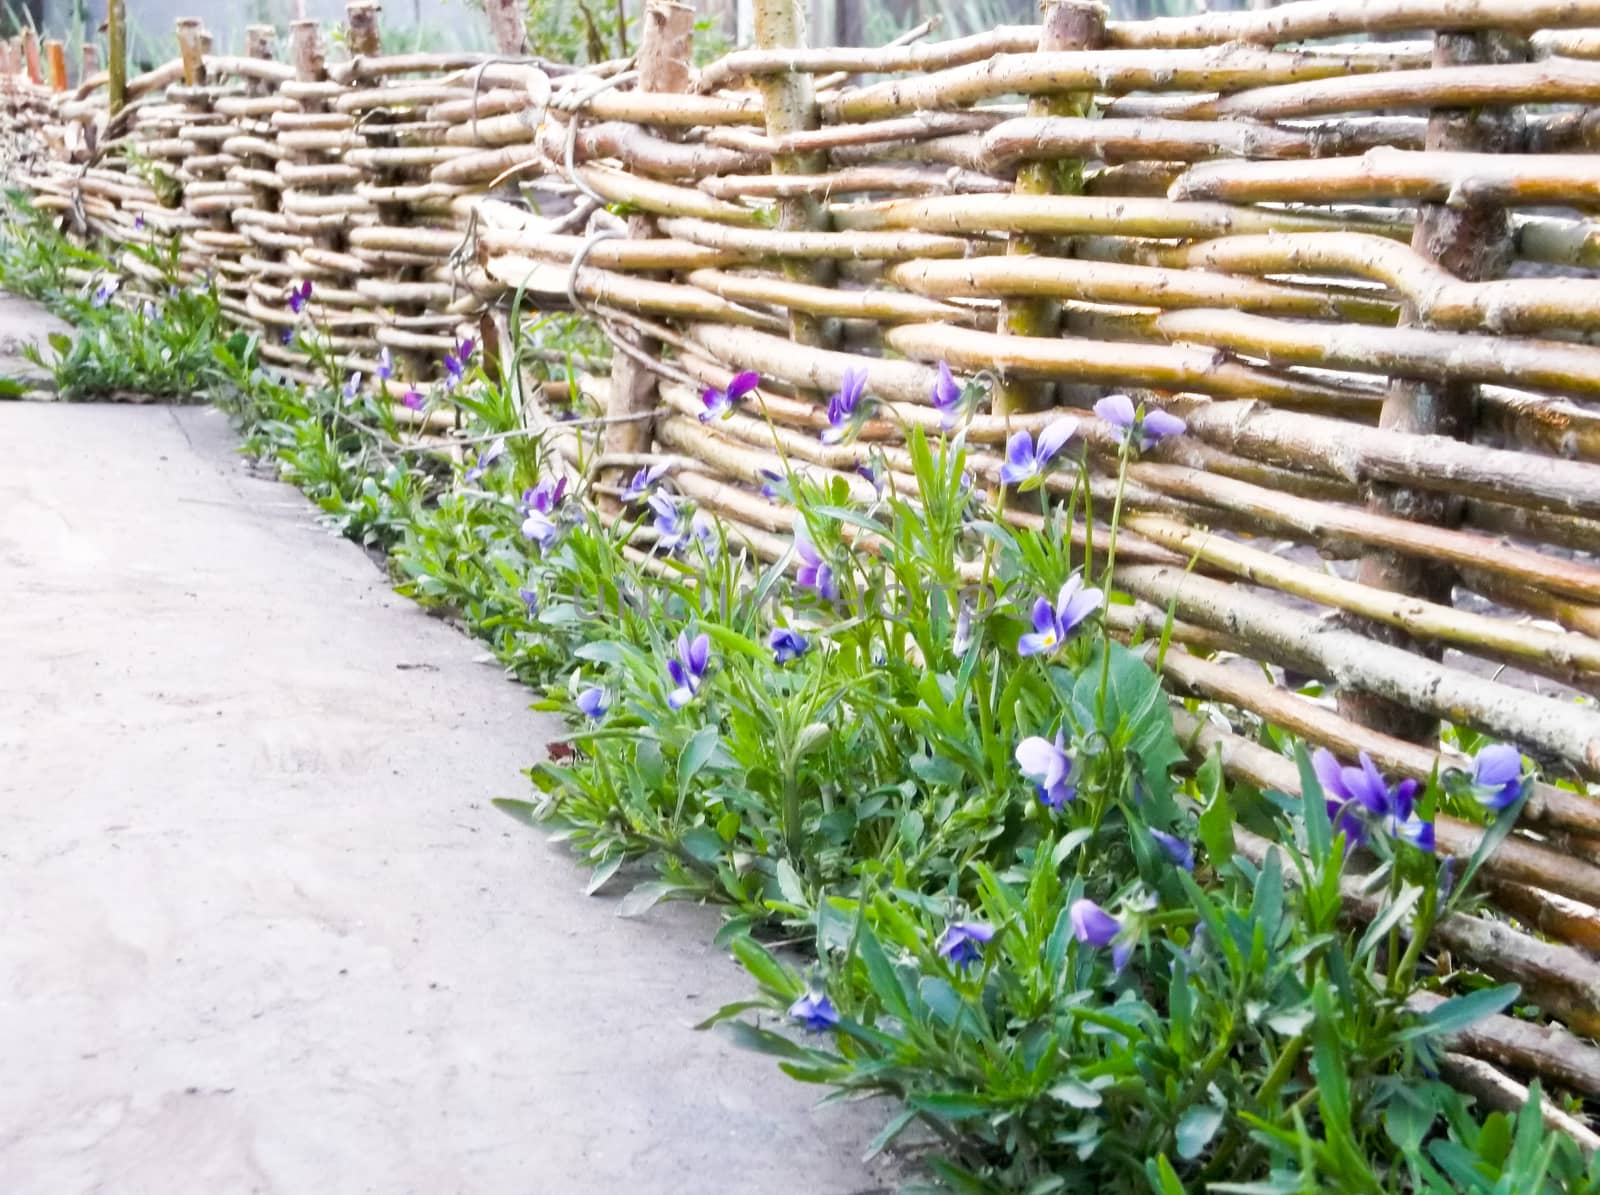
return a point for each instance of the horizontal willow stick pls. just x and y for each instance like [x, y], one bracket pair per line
[1522, 305]
[1567, 657]
[615, 254]
[1006, 39]
[1555, 365]
[851, 180]
[1556, 81]
[624, 291]
[1504, 1094]
[1392, 173]
[1313, 19]
[1547, 1050]
[663, 198]
[861, 246]
[1549, 728]
[1143, 286]
[1225, 68]
[1080, 359]
[1069, 215]
[880, 305]
[1044, 138]
[1363, 455]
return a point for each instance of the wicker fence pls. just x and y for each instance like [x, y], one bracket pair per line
[1362, 268]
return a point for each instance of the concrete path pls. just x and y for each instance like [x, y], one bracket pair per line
[260, 929]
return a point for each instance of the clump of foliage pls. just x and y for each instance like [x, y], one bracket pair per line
[923, 761]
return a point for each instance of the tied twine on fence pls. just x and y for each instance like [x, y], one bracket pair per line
[1364, 272]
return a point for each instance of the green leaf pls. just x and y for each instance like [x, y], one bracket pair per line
[523, 811]
[1459, 1012]
[765, 969]
[1196, 1127]
[696, 754]
[791, 885]
[763, 1041]
[644, 897]
[1076, 1094]
[1216, 814]
[1163, 1178]
[606, 869]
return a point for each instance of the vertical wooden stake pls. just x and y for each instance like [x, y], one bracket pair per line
[116, 55]
[361, 20]
[506, 27]
[91, 62]
[1474, 241]
[30, 53]
[191, 48]
[1068, 25]
[664, 56]
[56, 55]
[791, 107]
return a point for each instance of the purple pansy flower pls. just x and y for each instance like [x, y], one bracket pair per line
[1180, 852]
[703, 530]
[874, 475]
[352, 385]
[593, 702]
[642, 482]
[412, 400]
[1050, 768]
[846, 410]
[299, 296]
[814, 572]
[530, 599]
[104, 292]
[1093, 926]
[1360, 797]
[947, 398]
[455, 364]
[1156, 425]
[787, 645]
[688, 668]
[719, 404]
[815, 1011]
[672, 528]
[1026, 463]
[151, 311]
[539, 506]
[1053, 625]
[961, 636]
[963, 941]
[286, 336]
[138, 222]
[385, 364]
[773, 485]
[1497, 780]
[487, 458]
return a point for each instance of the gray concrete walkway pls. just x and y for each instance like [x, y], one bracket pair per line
[260, 929]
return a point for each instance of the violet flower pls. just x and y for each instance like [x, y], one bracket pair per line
[487, 459]
[961, 637]
[540, 505]
[385, 364]
[688, 669]
[455, 364]
[641, 483]
[847, 413]
[703, 529]
[719, 404]
[1027, 463]
[774, 486]
[412, 400]
[138, 222]
[1054, 625]
[593, 702]
[787, 645]
[1360, 798]
[1154, 426]
[151, 311]
[1180, 852]
[1497, 780]
[352, 385]
[948, 398]
[672, 528]
[1093, 926]
[962, 942]
[1050, 768]
[104, 292]
[814, 572]
[530, 599]
[815, 1011]
[299, 296]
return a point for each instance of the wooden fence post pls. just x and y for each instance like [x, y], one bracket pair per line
[791, 107]
[664, 55]
[191, 48]
[1068, 25]
[116, 56]
[361, 22]
[55, 54]
[30, 55]
[506, 27]
[91, 62]
[1474, 241]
